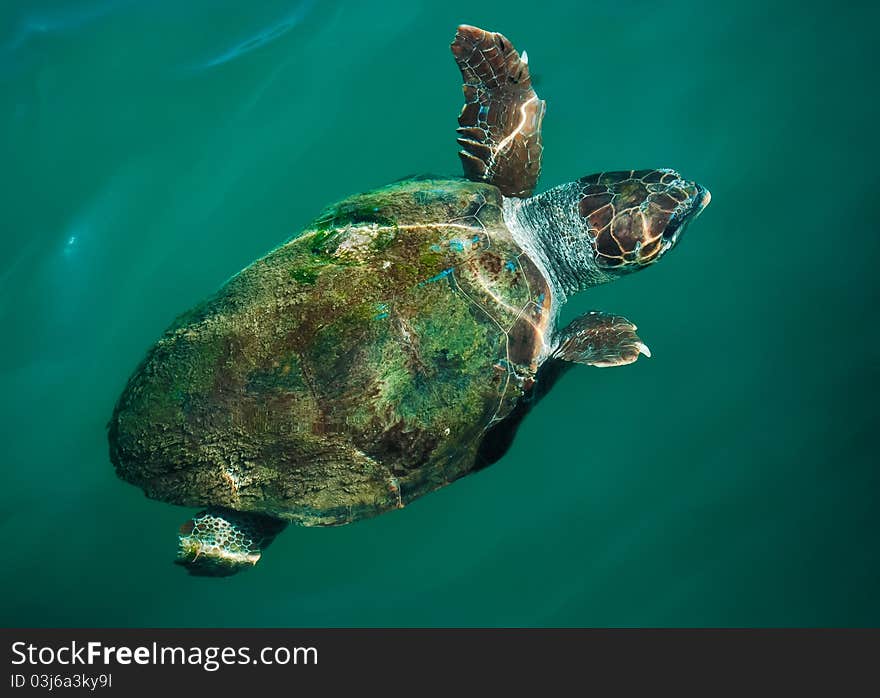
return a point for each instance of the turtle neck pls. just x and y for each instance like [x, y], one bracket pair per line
[554, 236]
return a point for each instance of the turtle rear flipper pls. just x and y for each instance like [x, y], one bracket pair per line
[500, 123]
[219, 542]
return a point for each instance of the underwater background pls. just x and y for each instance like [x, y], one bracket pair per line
[152, 149]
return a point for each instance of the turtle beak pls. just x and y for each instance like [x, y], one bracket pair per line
[704, 196]
[697, 203]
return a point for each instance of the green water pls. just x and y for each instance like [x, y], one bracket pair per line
[152, 149]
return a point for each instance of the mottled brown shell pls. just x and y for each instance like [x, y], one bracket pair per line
[349, 371]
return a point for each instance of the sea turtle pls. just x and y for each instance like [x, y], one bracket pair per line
[397, 342]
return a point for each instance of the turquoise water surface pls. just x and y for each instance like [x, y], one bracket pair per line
[153, 149]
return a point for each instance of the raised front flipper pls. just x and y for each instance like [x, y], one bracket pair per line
[500, 123]
[219, 542]
[600, 339]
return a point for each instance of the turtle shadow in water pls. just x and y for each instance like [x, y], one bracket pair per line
[499, 437]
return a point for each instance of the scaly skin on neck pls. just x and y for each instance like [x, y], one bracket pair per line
[552, 233]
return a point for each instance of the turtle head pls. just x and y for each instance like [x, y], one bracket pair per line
[633, 218]
[604, 225]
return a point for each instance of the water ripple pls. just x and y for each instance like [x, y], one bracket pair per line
[57, 20]
[259, 39]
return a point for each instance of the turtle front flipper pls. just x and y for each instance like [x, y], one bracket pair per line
[219, 542]
[600, 339]
[500, 123]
